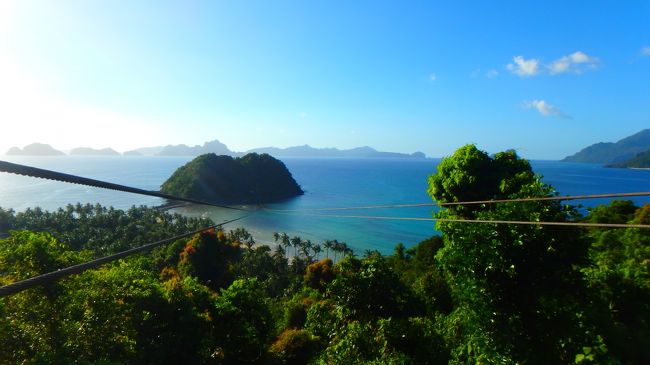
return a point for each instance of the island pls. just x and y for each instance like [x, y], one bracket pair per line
[251, 179]
[87, 151]
[35, 149]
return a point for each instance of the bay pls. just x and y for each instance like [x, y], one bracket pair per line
[327, 183]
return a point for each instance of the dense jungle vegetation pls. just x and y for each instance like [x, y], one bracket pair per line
[476, 294]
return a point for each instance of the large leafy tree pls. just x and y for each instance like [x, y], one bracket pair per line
[515, 286]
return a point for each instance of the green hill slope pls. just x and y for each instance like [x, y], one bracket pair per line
[252, 178]
[642, 160]
[612, 153]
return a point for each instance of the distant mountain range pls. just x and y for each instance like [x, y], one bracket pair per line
[38, 149]
[308, 151]
[610, 153]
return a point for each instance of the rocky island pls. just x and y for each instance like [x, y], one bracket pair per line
[34, 149]
[253, 178]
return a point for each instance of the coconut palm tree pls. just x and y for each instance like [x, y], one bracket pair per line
[328, 244]
[317, 249]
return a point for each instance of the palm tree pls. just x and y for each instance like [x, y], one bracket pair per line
[336, 247]
[296, 242]
[305, 246]
[328, 244]
[317, 249]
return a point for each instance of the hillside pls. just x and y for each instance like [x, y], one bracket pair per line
[642, 160]
[612, 153]
[35, 149]
[253, 178]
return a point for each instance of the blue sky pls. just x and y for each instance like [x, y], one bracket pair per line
[546, 78]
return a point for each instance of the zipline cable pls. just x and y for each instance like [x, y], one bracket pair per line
[472, 202]
[539, 223]
[21, 285]
[74, 179]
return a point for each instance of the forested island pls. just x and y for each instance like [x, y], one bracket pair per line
[476, 294]
[253, 178]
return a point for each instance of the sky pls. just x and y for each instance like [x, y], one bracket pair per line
[545, 78]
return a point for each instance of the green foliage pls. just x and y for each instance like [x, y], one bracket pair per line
[245, 323]
[520, 281]
[641, 160]
[294, 346]
[295, 309]
[270, 269]
[25, 254]
[319, 274]
[209, 257]
[102, 230]
[252, 178]
[369, 288]
[33, 319]
[619, 282]
[618, 211]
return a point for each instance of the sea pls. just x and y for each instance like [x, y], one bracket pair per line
[327, 182]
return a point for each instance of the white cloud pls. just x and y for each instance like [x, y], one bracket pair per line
[302, 115]
[645, 51]
[545, 109]
[492, 74]
[523, 67]
[433, 77]
[576, 62]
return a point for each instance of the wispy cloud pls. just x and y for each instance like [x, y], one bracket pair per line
[490, 74]
[524, 67]
[576, 62]
[645, 51]
[302, 115]
[433, 77]
[546, 109]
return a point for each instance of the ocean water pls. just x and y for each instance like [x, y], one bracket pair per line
[327, 183]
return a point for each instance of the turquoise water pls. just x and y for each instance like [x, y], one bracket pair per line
[327, 182]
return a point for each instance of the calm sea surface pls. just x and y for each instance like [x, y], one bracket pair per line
[327, 182]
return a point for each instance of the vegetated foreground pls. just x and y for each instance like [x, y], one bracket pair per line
[252, 178]
[479, 293]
